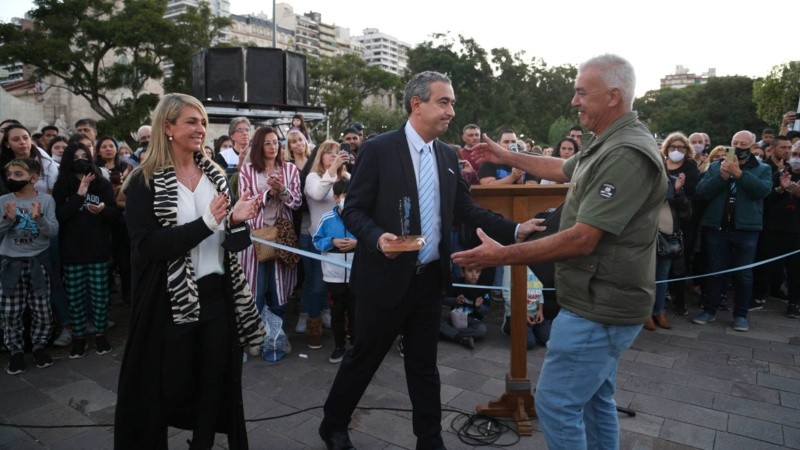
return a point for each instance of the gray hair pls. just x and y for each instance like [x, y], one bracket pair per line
[616, 72]
[235, 123]
[420, 86]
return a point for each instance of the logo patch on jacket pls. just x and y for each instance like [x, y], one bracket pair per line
[607, 190]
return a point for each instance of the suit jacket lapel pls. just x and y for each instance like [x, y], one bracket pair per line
[444, 176]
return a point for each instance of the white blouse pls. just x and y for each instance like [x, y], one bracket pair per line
[207, 257]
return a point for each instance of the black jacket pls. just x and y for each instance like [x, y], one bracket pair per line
[140, 421]
[85, 237]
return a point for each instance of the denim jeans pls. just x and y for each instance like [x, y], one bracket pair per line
[575, 394]
[315, 293]
[662, 273]
[267, 286]
[539, 333]
[726, 250]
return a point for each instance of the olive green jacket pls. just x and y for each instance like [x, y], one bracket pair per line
[619, 183]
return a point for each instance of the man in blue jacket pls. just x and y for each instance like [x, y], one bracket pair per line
[735, 191]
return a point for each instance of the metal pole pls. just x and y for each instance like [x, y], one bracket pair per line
[274, 26]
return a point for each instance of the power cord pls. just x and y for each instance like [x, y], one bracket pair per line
[472, 429]
[479, 430]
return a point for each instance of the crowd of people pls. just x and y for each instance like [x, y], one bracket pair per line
[168, 218]
[731, 214]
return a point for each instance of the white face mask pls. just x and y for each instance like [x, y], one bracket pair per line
[676, 156]
[794, 161]
[759, 158]
[340, 204]
[698, 147]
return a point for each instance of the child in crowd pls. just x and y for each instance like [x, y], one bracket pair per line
[333, 240]
[538, 327]
[474, 302]
[86, 211]
[29, 219]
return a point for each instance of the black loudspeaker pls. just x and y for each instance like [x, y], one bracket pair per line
[296, 79]
[225, 74]
[199, 75]
[273, 76]
[265, 76]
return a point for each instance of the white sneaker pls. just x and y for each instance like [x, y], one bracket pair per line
[302, 321]
[63, 339]
[326, 318]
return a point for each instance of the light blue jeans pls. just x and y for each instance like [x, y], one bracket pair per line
[662, 273]
[575, 394]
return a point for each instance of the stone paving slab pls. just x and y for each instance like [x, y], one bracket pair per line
[692, 387]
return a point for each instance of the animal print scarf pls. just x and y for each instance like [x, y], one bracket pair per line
[181, 282]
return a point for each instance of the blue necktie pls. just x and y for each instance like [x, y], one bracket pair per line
[426, 194]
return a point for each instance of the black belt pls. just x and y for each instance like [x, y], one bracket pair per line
[419, 269]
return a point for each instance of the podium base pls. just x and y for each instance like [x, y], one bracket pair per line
[516, 403]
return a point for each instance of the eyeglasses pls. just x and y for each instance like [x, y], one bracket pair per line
[680, 148]
[242, 130]
[271, 143]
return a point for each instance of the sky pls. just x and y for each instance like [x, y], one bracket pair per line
[734, 37]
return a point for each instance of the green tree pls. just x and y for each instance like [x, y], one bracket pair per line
[497, 89]
[778, 92]
[379, 119]
[720, 108]
[558, 129]
[342, 83]
[106, 51]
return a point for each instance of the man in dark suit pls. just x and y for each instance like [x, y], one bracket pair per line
[400, 292]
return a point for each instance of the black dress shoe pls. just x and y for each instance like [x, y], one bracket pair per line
[335, 440]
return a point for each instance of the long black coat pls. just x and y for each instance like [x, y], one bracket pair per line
[141, 419]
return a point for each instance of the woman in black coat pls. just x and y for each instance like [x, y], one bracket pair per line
[183, 359]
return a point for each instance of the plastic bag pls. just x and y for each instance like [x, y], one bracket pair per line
[276, 345]
[459, 318]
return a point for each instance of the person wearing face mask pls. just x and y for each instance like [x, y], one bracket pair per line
[27, 223]
[735, 189]
[17, 143]
[334, 241]
[86, 211]
[679, 156]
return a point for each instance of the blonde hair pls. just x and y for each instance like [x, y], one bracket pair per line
[292, 137]
[329, 146]
[711, 155]
[159, 151]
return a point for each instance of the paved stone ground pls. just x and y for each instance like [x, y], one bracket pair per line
[693, 386]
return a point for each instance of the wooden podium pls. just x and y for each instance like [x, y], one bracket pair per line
[518, 203]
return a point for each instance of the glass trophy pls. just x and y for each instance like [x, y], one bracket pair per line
[405, 242]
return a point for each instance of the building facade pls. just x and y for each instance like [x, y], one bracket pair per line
[682, 78]
[384, 51]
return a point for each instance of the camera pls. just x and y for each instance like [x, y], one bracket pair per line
[345, 147]
[513, 147]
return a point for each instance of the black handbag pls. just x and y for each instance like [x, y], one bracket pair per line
[670, 245]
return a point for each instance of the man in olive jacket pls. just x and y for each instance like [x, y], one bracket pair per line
[605, 255]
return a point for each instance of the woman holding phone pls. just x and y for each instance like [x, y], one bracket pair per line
[86, 212]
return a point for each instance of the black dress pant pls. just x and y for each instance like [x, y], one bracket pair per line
[417, 318]
[196, 358]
